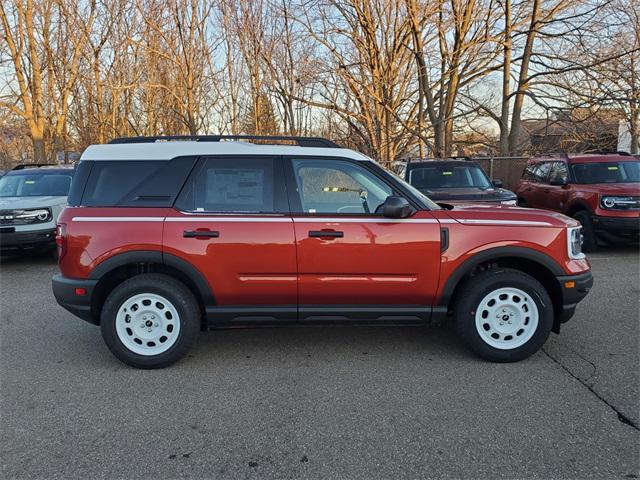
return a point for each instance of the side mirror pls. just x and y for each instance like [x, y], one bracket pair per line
[396, 207]
[557, 182]
[498, 183]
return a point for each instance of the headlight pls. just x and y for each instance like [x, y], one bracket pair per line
[40, 215]
[509, 202]
[574, 243]
[619, 203]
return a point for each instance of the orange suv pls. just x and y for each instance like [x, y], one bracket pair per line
[167, 236]
[601, 191]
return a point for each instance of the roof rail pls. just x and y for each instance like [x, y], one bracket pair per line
[301, 141]
[610, 152]
[22, 166]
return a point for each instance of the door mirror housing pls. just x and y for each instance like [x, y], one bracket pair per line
[557, 181]
[396, 207]
[497, 183]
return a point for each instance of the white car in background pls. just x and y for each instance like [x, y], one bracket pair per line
[30, 201]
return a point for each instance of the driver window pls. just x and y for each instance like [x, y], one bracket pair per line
[336, 186]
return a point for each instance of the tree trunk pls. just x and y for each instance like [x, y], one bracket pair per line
[523, 80]
[506, 79]
[37, 138]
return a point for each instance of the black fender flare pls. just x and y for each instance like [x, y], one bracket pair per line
[576, 206]
[154, 256]
[496, 253]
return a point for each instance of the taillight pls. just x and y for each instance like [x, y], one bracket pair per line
[61, 240]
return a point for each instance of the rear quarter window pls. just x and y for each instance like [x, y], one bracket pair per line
[132, 183]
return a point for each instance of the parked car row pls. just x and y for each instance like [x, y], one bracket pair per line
[601, 191]
[166, 236]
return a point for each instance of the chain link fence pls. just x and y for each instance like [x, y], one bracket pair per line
[507, 169]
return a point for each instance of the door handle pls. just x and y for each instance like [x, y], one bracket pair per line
[326, 234]
[528, 189]
[200, 234]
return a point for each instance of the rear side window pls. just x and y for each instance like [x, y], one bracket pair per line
[537, 172]
[136, 183]
[235, 185]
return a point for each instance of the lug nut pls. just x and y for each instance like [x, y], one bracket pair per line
[155, 324]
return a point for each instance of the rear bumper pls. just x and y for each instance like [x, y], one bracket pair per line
[64, 289]
[11, 240]
[618, 225]
[573, 289]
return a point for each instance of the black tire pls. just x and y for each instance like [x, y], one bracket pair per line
[470, 297]
[589, 240]
[181, 298]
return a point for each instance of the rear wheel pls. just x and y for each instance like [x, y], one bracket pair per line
[150, 321]
[503, 315]
[589, 240]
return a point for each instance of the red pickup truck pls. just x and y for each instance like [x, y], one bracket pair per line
[601, 191]
[163, 238]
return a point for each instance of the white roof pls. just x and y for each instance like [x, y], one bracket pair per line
[179, 148]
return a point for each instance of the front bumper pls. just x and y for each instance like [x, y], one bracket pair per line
[64, 289]
[12, 240]
[618, 225]
[573, 288]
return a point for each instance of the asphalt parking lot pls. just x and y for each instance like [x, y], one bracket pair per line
[332, 402]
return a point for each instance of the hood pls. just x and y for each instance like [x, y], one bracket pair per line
[623, 189]
[469, 194]
[10, 203]
[470, 214]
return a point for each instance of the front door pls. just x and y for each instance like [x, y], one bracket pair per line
[556, 195]
[232, 224]
[352, 261]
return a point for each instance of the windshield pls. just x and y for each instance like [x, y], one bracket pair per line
[430, 203]
[448, 176]
[35, 185]
[607, 172]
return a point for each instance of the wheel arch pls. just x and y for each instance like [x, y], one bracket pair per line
[114, 270]
[532, 262]
[577, 206]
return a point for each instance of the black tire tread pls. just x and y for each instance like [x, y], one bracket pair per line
[590, 241]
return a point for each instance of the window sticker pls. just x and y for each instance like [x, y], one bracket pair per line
[447, 173]
[614, 167]
[234, 185]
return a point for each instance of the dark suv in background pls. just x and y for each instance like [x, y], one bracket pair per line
[602, 191]
[456, 181]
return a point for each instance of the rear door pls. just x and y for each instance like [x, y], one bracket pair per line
[232, 223]
[534, 192]
[352, 261]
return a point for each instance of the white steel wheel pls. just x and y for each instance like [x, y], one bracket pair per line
[506, 318]
[147, 324]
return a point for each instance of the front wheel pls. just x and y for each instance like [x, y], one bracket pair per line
[150, 321]
[503, 315]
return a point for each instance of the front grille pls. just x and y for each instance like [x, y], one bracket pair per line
[7, 217]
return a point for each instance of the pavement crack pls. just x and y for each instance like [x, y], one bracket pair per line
[621, 416]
